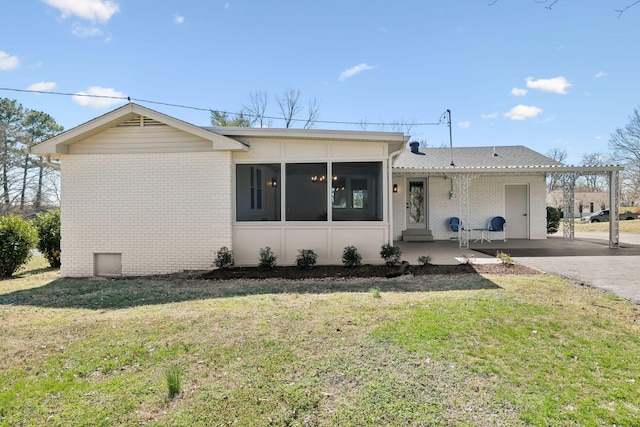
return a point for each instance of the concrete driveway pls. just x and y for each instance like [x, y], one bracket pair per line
[587, 259]
[616, 271]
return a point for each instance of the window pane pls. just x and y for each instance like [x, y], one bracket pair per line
[258, 192]
[357, 191]
[306, 193]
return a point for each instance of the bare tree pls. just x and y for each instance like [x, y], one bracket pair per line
[257, 109]
[289, 106]
[553, 180]
[625, 147]
[313, 111]
[594, 181]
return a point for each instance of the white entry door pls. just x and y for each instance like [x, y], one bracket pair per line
[416, 203]
[516, 211]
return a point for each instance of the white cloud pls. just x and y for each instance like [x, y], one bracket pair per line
[516, 91]
[92, 10]
[489, 116]
[42, 86]
[555, 84]
[84, 32]
[179, 20]
[354, 70]
[523, 112]
[8, 62]
[98, 97]
[600, 74]
[464, 125]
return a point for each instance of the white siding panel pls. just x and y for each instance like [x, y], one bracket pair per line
[145, 139]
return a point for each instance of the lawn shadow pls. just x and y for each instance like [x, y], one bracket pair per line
[101, 293]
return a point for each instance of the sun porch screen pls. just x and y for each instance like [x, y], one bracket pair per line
[258, 192]
[306, 192]
[356, 191]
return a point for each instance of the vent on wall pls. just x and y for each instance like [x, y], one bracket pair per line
[141, 121]
[108, 265]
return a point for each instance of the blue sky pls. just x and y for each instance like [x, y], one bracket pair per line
[512, 73]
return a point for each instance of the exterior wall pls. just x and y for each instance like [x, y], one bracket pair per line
[140, 139]
[486, 199]
[327, 238]
[163, 212]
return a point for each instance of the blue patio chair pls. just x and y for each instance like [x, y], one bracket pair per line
[455, 224]
[498, 225]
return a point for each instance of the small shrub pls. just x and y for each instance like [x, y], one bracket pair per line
[390, 254]
[375, 292]
[224, 258]
[424, 260]
[17, 239]
[351, 257]
[267, 259]
[504, 258]
[306, 259]
[173, 375]
[48, 227]
[553, 219]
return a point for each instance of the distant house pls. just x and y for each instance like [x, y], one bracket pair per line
[145, 193]
[584, 202]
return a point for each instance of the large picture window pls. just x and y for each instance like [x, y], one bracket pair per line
[356, 191]
[258, 192]
[306, 192]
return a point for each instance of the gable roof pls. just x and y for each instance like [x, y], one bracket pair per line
[59, 144]
[512, 158]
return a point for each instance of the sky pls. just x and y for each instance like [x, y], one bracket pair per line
[512, 72]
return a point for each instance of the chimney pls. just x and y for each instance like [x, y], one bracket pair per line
[414, 148]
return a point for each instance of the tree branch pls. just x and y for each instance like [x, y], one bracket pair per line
[621, 11]
[552, 3]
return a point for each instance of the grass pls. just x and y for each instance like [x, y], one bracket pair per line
[498, 350]
[625, 226]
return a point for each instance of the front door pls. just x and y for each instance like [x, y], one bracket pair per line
[516, 211]
[417, 203]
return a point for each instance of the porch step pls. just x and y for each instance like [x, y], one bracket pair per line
[417, 235]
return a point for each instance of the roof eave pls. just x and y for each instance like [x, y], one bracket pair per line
[59, 144]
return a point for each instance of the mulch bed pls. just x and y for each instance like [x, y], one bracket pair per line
[363, 271]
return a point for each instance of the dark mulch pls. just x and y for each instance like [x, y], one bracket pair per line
[363, 271]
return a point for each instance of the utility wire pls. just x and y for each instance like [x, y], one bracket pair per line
[210, 110]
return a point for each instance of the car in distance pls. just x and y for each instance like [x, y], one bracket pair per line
[603, 216]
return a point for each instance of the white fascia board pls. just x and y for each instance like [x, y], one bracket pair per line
[512, 169]
[365, 136]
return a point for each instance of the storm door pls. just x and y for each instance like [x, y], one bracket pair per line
[416, 203]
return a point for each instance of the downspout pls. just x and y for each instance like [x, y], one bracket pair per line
[390, 190]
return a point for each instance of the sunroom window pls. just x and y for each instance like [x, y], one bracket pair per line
[258, 192]
[356, 191]
[306, 192]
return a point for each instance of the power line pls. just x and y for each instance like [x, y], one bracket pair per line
[210, 110]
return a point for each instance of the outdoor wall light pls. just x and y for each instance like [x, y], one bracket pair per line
[274, 182]
[395, 188]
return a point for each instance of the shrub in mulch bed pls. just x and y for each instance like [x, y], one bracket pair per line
[362, 271]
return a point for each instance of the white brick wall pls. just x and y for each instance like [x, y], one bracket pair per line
[486, 199]
[164, 213]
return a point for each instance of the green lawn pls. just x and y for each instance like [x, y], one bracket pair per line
[624, 226]
[499, 350]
